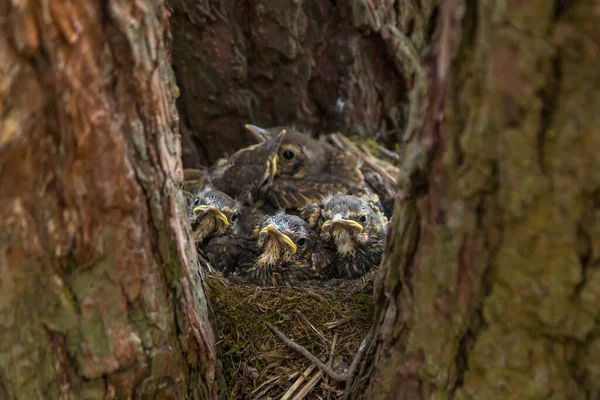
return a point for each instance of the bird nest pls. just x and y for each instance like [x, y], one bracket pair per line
[329, 320]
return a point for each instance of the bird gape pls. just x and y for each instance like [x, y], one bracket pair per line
[288, 211]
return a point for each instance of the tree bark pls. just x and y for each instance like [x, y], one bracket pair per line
[100, 296]
[320, 65]
[491, 286]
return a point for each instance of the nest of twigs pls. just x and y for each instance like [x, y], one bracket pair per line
[329, 320]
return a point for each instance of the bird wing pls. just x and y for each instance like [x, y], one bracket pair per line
[344, 167]
[311, 213]
[294, 194]
[225, 252]
[322, 259]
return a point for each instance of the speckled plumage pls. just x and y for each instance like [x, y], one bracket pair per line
[248, 174]
[223, 244]
[356, 229]
[308, 170]
[288, 252]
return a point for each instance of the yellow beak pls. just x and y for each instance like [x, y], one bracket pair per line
[342, 223]
[259, 133]
[274, 165]
[212, 210]
[280, 237]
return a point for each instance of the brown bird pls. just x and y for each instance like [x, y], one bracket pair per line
[288, 252]
[313, 213]
[308, 169]
[211, 213]
[357, 229]
[248, 174]
[216, 224]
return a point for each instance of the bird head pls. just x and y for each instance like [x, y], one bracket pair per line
[212, 213]
[298, 154]
[349, 222]
[249, 171]
[285, 238]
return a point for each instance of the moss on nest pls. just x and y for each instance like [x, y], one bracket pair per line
[256, 364]
[371, 147]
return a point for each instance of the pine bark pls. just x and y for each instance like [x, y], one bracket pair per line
[322, 66]
[100, 296]
[491, 278]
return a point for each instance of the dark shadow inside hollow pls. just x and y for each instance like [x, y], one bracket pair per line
[320, 68]
[312, 64]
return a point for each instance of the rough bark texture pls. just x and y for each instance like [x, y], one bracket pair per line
[492, 286]
[99, 295]
[320, 65]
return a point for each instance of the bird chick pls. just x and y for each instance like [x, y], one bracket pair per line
[357, 231]
[215, 220]
[248, 174]
[212, 213]
[288, 252]
[308, 169]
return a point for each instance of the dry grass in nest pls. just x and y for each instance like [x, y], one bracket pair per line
[334, 315]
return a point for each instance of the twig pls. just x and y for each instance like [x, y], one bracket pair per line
[332, 353]
[261, 394]
[299, 349]
[365, 150]
[367, 160]
[303, 376]
[336, 142]
[346, 378]
[265, 383]
[355, 362]
[335, 324]
[309, 386]
[388, 153]
[318, 332]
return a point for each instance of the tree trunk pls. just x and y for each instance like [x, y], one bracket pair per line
[492, 268]
[100, 296]
[320, 65]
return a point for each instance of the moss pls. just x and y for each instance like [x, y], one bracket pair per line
[251, 354]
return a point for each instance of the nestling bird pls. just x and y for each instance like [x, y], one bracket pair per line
[313, 213]
[308, 169]
[357, 231]
[289, 252]
[216, 221]
[248, 174]
[211, 213]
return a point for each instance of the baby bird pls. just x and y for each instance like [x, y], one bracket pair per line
[215, 220]
[288, 252]
[308, 169]
[211, 213]
[248, 174]
[356, 228]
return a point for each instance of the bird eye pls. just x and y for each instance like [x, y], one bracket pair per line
[288, 154]
[363, 218]
[197, 201]
[234, 217]
[301, 242]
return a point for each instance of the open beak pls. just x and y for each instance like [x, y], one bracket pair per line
[206, 210]
[343, 224]
[280, 237]
[259, 133]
